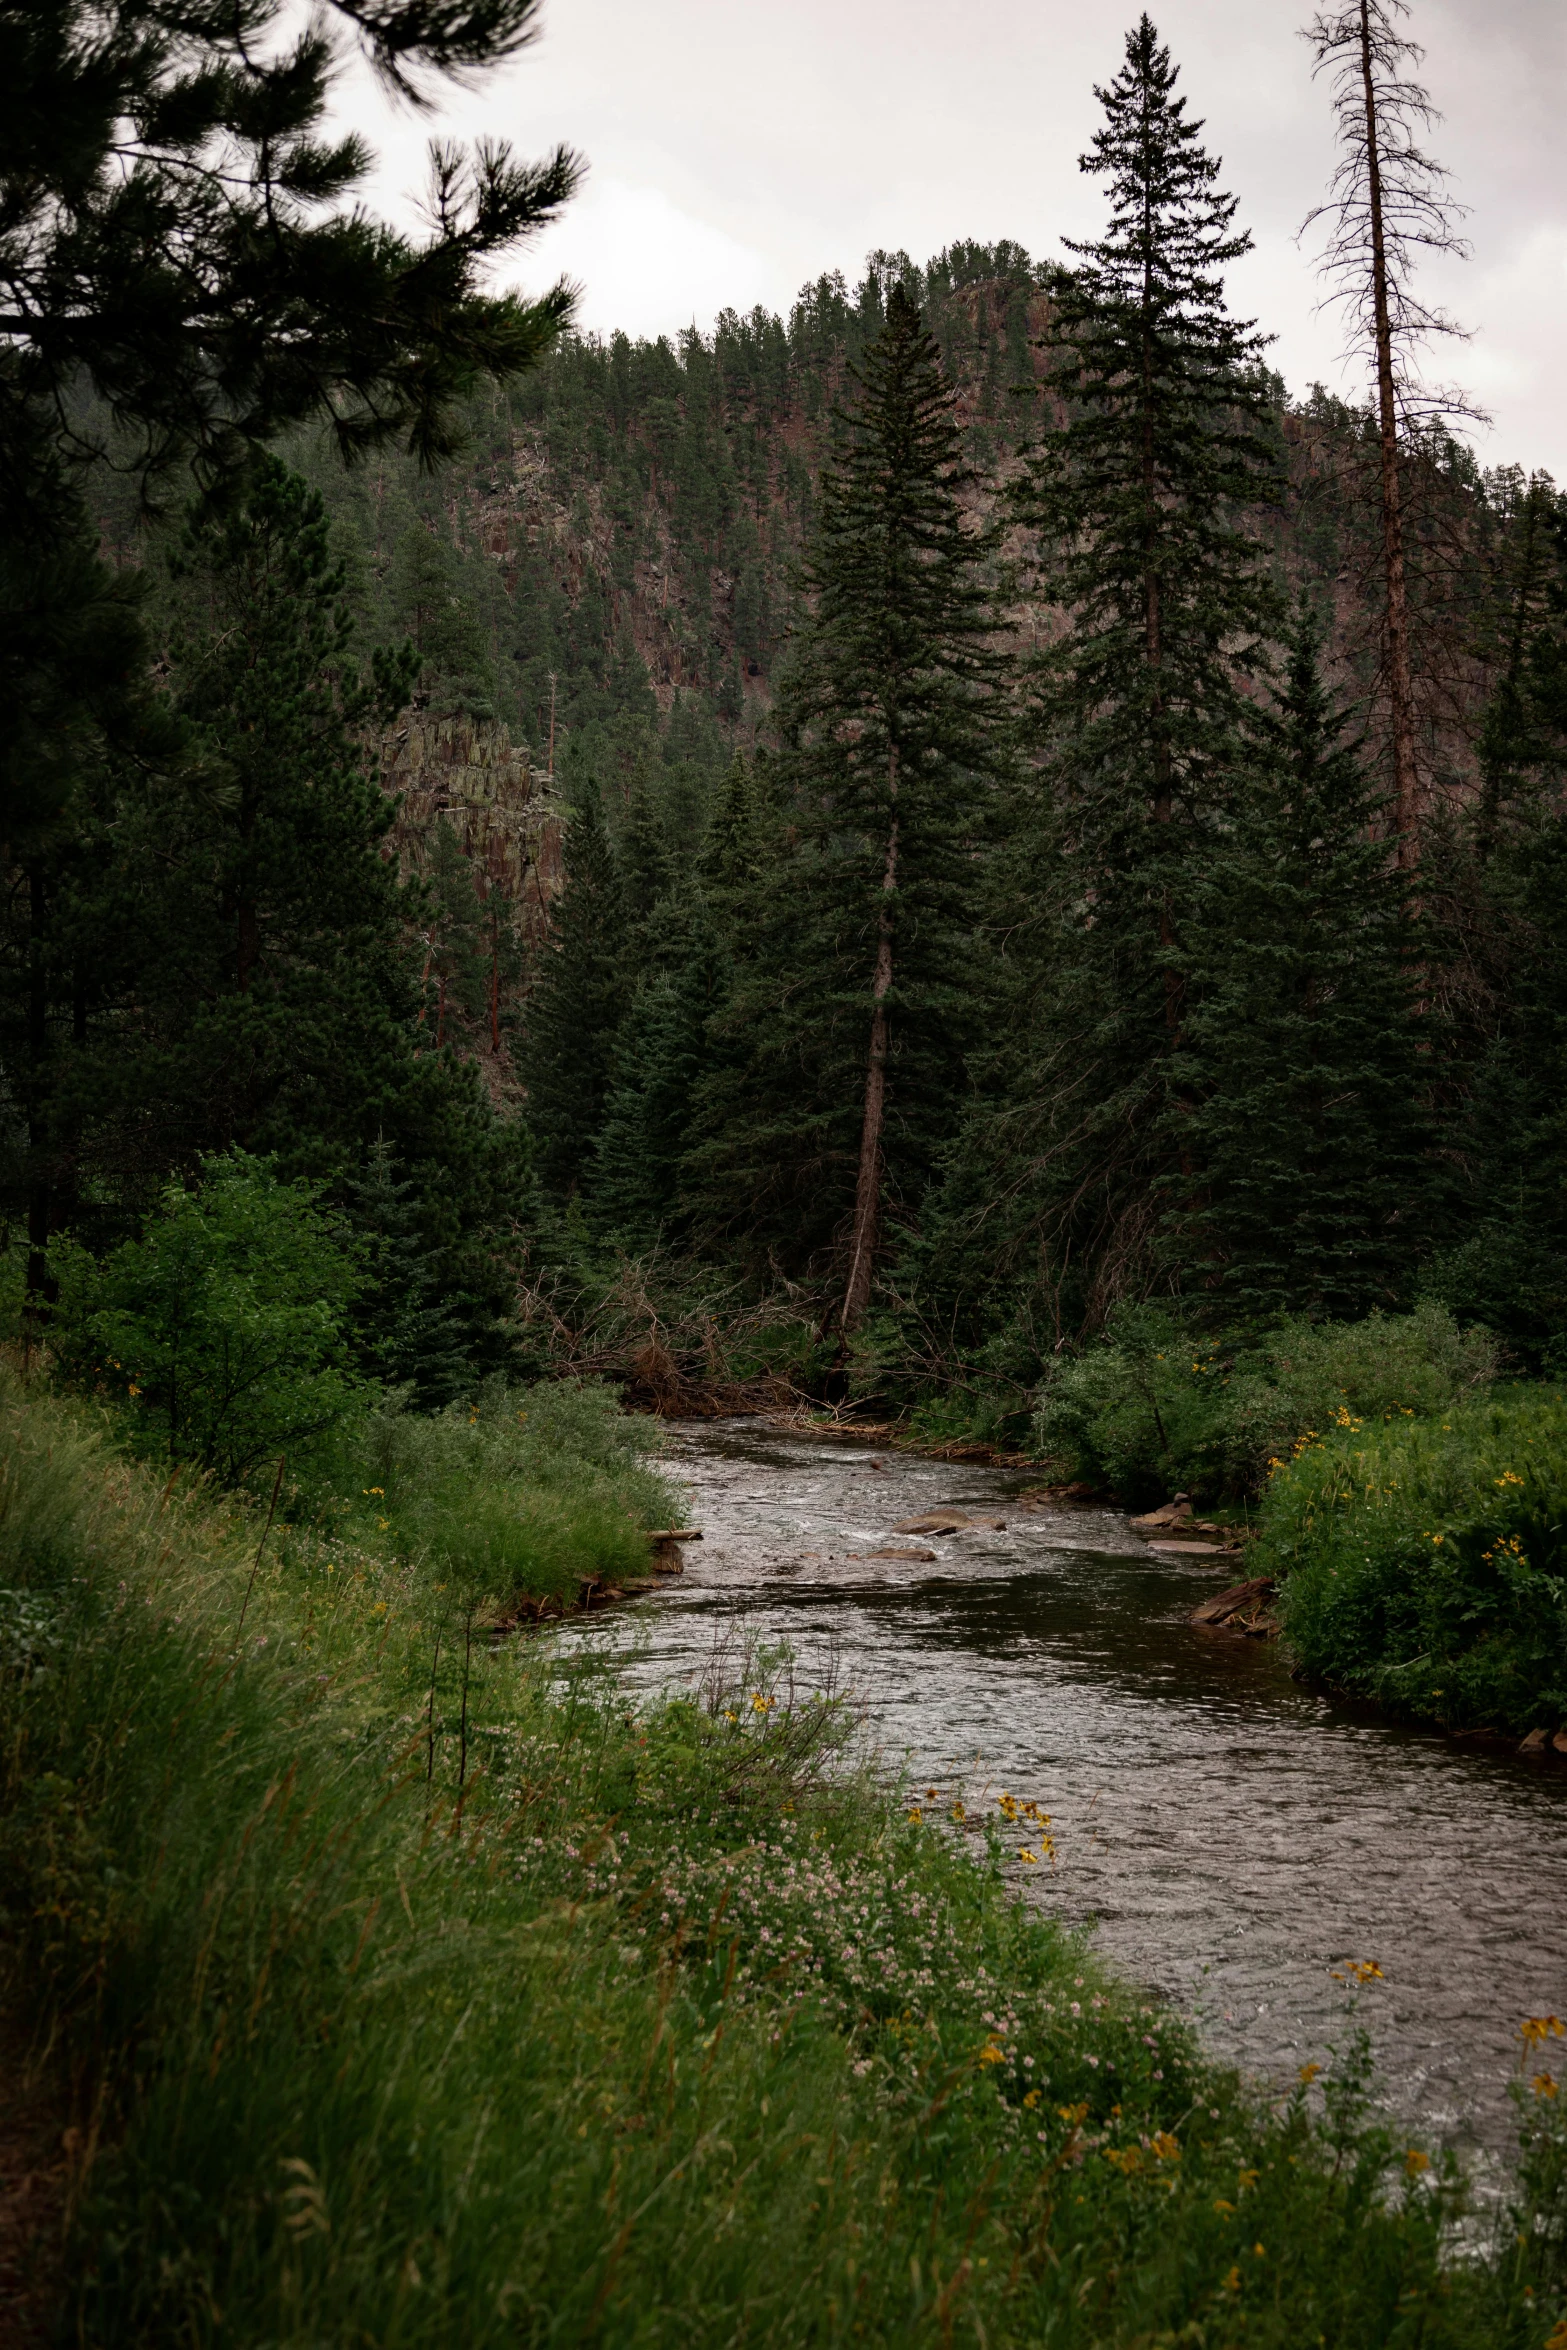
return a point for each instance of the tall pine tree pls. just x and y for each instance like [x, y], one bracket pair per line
[1303, 1122]
[842, 1044]
[578, 1004]
[1142, 717]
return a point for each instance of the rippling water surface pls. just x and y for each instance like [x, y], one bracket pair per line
[1234, 1836]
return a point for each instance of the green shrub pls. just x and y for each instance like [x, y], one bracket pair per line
[1424, 1562]
[224, 1326]
[1152, 1408]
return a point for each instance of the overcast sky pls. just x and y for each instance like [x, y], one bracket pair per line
[735, 152]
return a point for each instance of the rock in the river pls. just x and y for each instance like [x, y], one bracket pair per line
[935, 1522]
[1208, 1550]
[928, 1556]
[1173, 1513]
[1535, 1742]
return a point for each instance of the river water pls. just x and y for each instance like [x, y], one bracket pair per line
[1231, 1837]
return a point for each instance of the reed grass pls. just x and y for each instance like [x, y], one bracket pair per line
[663, 2025]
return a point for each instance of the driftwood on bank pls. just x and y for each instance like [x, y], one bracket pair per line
[1245, 1607]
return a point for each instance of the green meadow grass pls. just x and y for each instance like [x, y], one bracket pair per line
[594, 2023]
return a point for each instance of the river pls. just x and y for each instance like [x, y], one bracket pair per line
[1232, 1837]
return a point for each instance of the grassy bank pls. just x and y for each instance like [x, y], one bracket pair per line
[1424, 1561]
[399, 2007]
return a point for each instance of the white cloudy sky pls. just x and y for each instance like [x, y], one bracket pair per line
[736, 151]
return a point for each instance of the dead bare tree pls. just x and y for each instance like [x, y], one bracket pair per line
[1388, 203]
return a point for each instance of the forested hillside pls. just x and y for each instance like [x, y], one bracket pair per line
[613, 575]
[590, 938]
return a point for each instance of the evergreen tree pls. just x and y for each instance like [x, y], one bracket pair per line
[408, 1328]
[457, 942]
[842, 1044]
[1141, 715]
[236, 953]
[646, 865]
[429, 606]
[237, 937]
[1303, 1125]
[661, 1054]
[578, 1004]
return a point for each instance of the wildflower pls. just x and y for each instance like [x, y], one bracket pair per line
[1536, 2029]
[1508, 1477]
[991, 2054]
[1225, 2210]
[1165, 2148]
[1261, 2251]
[1544, 2085]
[958, 1813]
[1415, 2162]
[1308, 2073]
[1232, 2283]
[367, 1490]
[1030, 1858]
[915, 1814]
[761, 1704]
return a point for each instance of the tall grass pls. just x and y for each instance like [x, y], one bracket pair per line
[662, 2027]
[523, 1494]
[1424, 1561]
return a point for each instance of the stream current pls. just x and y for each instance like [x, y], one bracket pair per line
[1231, 1836]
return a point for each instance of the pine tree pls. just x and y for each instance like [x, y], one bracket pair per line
[661, 1054]
[457, 943]
[646, 865]
[578, 1004]
[842, 1044]
[1303, 1122]
[1141, 717]
[408, 1330]
[241, 940]
[428, 604]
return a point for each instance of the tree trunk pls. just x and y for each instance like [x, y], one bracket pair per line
[867, 1196]
[1400, 693]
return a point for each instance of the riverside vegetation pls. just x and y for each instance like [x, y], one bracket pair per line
[410, 2008]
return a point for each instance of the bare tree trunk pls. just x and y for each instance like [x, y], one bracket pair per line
[867, 1196]
[1406, 787]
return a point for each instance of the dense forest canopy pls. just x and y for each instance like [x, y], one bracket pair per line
[865, 843]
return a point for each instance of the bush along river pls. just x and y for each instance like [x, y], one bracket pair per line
[1238, 1842]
